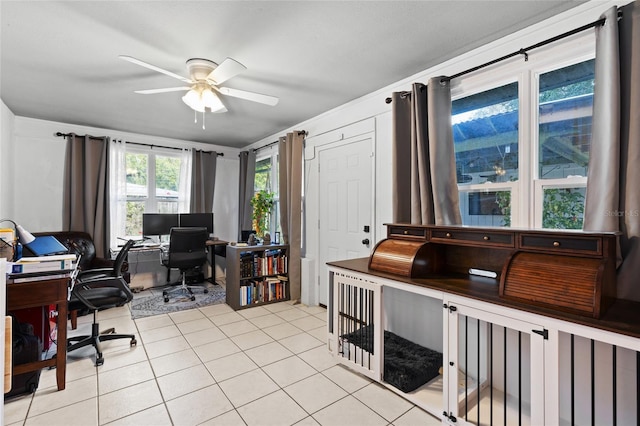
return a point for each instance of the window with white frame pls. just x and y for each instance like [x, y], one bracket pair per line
[522, 133]
[266, 179]
[152, 185]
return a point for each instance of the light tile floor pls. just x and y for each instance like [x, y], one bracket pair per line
[266, 365]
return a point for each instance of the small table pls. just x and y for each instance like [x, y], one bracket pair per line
[44, 292]
[212, 246]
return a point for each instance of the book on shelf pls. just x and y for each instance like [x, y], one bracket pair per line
[265, 290]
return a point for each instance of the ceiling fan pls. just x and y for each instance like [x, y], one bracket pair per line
[204, 84]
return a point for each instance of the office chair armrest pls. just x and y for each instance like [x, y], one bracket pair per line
[100, 272]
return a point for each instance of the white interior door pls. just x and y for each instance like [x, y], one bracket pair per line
[346, 205]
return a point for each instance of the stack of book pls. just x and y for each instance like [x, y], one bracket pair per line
[40, 268]
[264, 290]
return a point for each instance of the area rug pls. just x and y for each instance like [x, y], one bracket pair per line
[145, 306]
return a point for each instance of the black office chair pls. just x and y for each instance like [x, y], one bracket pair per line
[83, 274]
[187, 250]
[98, 294]
[114, 271]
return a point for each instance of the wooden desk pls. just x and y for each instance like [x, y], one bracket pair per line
[43, 293]
[213, 246]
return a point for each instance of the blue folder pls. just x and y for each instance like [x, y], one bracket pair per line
[46, 245]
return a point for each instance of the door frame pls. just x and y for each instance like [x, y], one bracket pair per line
[370, 135]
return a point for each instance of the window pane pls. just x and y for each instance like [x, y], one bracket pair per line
[262, 179]
[137, 173]
[167, 207]
[485, 208]
[563, 208]
[133, 226]
[167, 178]
[485, 135]
[564, 116]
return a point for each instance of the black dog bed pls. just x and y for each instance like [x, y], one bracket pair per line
[407, 365]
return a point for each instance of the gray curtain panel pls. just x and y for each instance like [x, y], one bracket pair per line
[613, 193]
[86, 189]
[245, 190]
[425, 189]
[203, 180]
[290, 148]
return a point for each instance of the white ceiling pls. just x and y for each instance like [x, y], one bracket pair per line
[59, 59]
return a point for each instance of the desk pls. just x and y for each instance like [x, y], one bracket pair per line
[43, 293]
[215, 247]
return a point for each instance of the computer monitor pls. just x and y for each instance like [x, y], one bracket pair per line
[158, 223]
[199, 220]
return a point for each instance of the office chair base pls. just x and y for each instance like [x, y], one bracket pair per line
[95, 338]
[184, 290]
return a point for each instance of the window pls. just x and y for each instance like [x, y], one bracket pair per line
[266, 179]
[522, 135]
[485, 135]
[152, 185]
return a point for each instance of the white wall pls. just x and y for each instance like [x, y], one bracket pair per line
[38, 156]
[6, 162]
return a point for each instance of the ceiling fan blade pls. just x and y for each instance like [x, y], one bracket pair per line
[165, 90]
[154, 68]
[227, 69]
[250, 96]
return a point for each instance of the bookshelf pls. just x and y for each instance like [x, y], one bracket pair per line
[257, 275]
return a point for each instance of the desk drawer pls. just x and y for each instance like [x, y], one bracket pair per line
[36, 293]
[485, 238]
[583, 245]
[407, 232]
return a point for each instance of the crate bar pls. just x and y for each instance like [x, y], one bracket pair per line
[505, 377]
[520, 378]
[573, 382]
[491, 375]
[614, 395]
[593, 383]
[478, 370]
[466, 367]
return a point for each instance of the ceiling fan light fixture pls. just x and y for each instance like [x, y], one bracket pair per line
[193, 100]
[211, 100]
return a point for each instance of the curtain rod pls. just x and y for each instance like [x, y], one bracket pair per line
[523, 51]
[300, 132]
[219, 154]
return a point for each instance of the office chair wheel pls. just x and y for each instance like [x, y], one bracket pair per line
[206, 290]
[133, 342]
[193, 298]
[99, 361]
[166, 299]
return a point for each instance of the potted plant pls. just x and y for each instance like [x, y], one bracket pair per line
[262, 203]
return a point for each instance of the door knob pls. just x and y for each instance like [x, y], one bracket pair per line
[365, 241]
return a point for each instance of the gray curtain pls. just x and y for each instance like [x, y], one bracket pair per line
[203, 180]
[425, 189]
[613, 191]
[245, 190]
[290, 149]
[86, 189]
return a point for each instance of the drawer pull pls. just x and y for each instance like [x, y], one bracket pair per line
[448, 235]
[486, 238]
[556, 244]
[406, 232]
